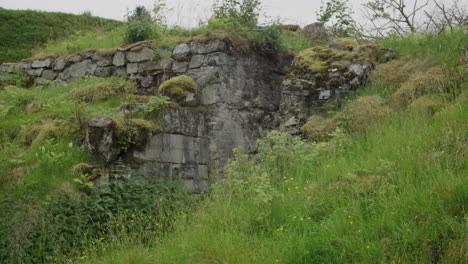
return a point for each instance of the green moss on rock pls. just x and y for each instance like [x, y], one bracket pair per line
[178, 87]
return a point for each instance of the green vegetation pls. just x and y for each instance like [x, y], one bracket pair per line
[392, 194]
[23, 30]
[381, 178]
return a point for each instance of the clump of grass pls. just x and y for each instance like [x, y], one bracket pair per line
[396, 72]
[432, 81]
[103, 90]
[363, 113]
[430, 104]
[178, 87]
[102, 42]
[46, 129]
[318, 128]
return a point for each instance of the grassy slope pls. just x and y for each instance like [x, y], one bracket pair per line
[22, 30]
[393, 195]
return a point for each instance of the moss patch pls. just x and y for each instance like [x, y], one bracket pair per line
[314, 63]
[431, 81]
[134, 132]
[344, 44]
[178, 87]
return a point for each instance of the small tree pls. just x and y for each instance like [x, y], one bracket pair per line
[339, 14]
[139, 25]
[245, 12]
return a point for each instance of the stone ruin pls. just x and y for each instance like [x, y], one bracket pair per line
[243, 96]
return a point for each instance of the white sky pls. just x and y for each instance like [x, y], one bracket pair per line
[185, 13]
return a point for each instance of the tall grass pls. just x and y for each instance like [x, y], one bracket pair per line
[394, 194]
[82, 41]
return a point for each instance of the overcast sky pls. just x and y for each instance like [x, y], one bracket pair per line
[184, 13]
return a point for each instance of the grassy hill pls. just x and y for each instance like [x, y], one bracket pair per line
[23, 30]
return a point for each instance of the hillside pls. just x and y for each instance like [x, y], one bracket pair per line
[23, 30]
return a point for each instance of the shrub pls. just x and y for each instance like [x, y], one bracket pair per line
[363, 113]
[139, 25]
[244, 12]
[318, 128]
[431, 81]
[178, 87]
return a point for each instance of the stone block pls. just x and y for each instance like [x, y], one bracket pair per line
[102, 60]
[205, 48]
[181, 52]
[103, 71]
[101, 138]
[146, 54]
[172, 148]
[180, 66]
[82, 69]
[60, 64]
[197, 61]
[42, 63]
[118, 59]
[49, 75]
[132, 68]
[184, 121]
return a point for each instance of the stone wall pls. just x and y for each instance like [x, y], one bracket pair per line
[241, 97]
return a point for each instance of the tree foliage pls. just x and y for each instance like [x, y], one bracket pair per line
[245, 12]
[340, 15]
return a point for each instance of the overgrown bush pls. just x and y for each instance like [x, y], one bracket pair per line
[60, 228]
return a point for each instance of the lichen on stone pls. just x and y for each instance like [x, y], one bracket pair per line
[178, 87]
